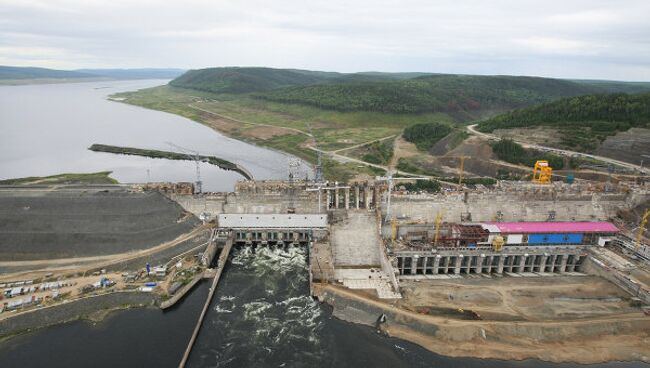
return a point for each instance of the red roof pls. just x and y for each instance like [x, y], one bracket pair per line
[555, 227]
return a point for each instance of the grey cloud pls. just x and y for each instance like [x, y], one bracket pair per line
[578, 39]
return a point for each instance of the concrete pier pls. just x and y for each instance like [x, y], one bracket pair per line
[227, 241]
[486, 261]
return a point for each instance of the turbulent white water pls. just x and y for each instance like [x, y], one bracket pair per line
[263, 311]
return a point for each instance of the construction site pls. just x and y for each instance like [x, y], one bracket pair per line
[522, 269]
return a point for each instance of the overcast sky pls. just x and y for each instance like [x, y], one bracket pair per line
[604, 39]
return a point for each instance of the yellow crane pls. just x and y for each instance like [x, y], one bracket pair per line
[644, 221]
[393, 230]
[497, 243]
[461, 167]
[542, 172]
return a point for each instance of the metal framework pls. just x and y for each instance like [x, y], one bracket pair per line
[542, 172]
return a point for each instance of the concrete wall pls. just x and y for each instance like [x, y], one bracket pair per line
[595, 267]
[507, 206]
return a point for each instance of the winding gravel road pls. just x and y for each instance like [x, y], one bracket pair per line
[472, 130]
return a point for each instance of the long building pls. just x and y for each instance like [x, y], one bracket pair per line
[497, 247]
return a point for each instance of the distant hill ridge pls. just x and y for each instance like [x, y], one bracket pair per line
[245, 79]
[465, 97]
[16, 72]
[23, 73]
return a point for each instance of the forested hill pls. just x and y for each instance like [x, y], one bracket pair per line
[466, 97]
[601, 112]
[258, 79]
[455, 94]
[244, 80]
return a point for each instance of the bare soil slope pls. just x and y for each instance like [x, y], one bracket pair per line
[44, 224]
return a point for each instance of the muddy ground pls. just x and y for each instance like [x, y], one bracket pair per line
[518, 298]
[558, 319]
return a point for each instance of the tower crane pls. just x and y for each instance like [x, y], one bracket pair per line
[196, 157]
[318, 175]
[294, 169]
[644, 221]
[461, 166]
[390, 179]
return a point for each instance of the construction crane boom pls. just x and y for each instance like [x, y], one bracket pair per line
[318, 174]
[644, 221]
[196, 157]
[390, 179]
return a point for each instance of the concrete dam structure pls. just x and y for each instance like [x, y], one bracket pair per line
[353, 242]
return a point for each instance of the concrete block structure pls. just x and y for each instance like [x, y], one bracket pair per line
[523, 247]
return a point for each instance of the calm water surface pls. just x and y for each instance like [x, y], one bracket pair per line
[47, 129]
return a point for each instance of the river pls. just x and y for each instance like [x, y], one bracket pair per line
[261, 314]
[47, 129]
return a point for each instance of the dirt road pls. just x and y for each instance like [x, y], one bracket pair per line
[472, 129]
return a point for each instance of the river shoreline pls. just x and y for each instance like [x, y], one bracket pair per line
[214, 127]
[94, 308]
[583, 342]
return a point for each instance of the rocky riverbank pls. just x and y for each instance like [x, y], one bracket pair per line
[92, 307]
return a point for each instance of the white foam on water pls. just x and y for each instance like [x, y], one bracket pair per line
[222, 310]
[283, 314]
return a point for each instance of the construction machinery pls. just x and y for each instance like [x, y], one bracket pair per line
[438, 221]
[390, 179]
[294, 171]
[461, 167]
[542, 172]
[196, 157]
[644, 221]
[497, 243]
[318, 174]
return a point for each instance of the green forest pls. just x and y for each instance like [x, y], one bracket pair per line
[425, 135]
[465, 97]
[434, 93]
[378, 152]
[430, 186]
[584, 121]
[510, 151]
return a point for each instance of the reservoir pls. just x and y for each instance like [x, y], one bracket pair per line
[47, 129]
[261, 314]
